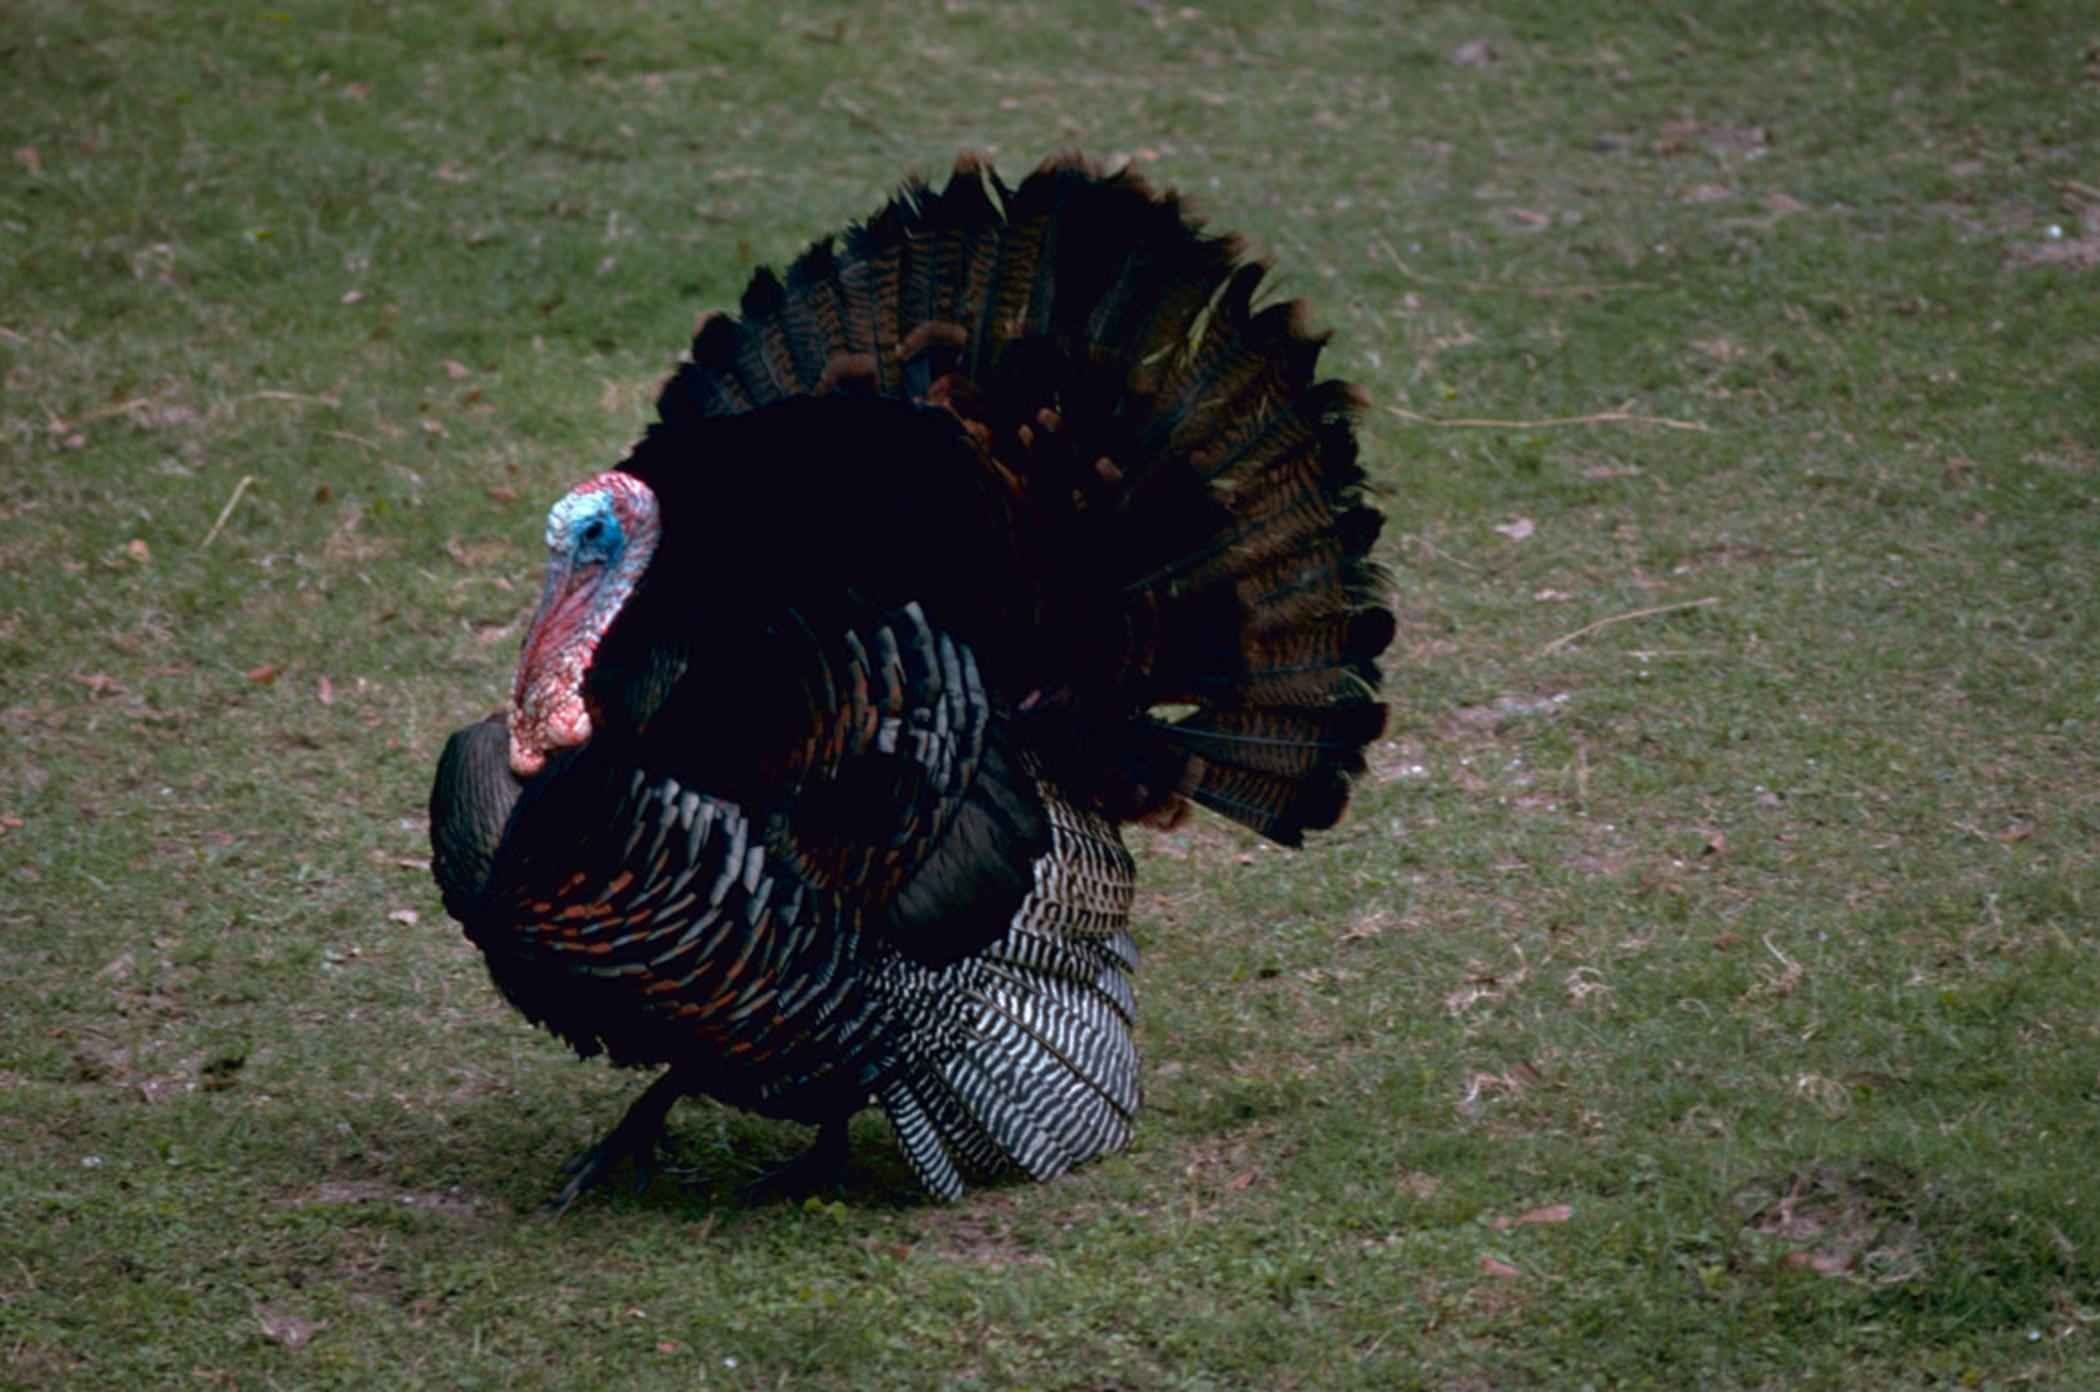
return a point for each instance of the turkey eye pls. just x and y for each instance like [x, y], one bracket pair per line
[593, 532]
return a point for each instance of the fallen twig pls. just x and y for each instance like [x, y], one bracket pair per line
[1599, 418]
[227, 511]
[269, 394]
[1587, 629]
[115, 408]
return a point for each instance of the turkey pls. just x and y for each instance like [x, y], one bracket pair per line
[1001, 520]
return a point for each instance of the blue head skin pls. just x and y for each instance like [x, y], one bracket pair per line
[600, 537]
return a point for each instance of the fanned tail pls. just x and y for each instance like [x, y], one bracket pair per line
[1209, 621]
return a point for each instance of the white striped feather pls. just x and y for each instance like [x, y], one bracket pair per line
[1021, 1057]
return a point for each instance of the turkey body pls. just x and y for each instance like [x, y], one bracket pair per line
[1003, 519]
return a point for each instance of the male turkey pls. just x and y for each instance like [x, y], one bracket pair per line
[1004, 519]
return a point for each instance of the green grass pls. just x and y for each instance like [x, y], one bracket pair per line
[1759, 932]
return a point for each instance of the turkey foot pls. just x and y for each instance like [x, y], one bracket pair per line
[638, 1137]
[822, 1166]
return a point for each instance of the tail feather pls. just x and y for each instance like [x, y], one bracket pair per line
[1285, 740]
[1278, 807]
[1018, 306]
[1193, 488]
[814, 311]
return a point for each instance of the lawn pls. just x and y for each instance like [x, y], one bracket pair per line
[1704, 990]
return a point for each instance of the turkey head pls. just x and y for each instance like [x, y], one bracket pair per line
[600, 537]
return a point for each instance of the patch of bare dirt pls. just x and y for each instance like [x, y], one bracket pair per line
[1202, 838]
[2076, 247]
[980, 1235]
[1394, 760]
[2071, 240]
[453, 1202]
[1489, 717]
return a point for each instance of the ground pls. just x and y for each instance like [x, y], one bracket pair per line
[1702, 992]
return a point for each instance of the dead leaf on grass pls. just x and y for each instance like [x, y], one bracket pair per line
[29, 159]
[1859, 1219]
[1367, 925]
[1584, 984]
[1675, 137]
[476, 555]
[324, 690]
[1706, 193]
[1534, 1217]
[1511, 1083]
[1474, 53]
[1419, 1185]
[282, 1327]
[1518, 528]
[263, 674]
[407, 917]
[1823, 1263]
[1497, 1268]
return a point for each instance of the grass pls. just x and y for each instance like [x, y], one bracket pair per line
[1706, 1001]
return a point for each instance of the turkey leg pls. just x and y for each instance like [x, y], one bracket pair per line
[822, 1166]
[637, 1137]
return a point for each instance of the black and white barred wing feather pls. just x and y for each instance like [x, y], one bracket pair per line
[1021, 1057]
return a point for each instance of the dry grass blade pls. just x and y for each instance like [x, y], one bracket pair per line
[1589, 628]
[225, 512]
[1546, 422]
